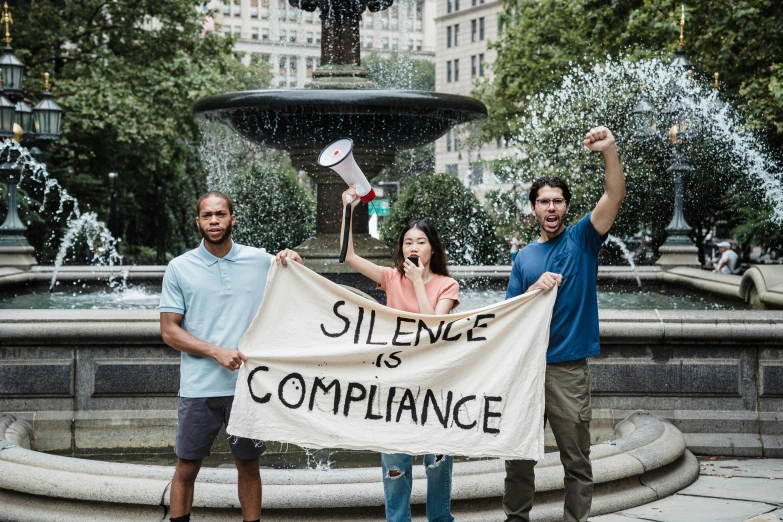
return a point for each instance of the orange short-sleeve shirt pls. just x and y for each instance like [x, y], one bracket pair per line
[401, 296]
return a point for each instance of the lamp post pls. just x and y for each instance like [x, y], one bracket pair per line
[682, 128]
[20, 122]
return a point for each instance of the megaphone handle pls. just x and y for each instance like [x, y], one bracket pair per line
[346, 233]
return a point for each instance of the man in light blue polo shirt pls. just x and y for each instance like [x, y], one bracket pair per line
[210, 296]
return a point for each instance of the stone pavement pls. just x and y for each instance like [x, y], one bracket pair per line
[727, 490]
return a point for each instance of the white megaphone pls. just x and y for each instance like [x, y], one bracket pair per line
[338, 156]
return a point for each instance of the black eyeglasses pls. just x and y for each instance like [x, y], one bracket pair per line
[558, 202]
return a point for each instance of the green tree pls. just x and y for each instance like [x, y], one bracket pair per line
[400, 71]
[543, 39]
[275, 209]
[553, 124]
[128, 74]
[464, 227]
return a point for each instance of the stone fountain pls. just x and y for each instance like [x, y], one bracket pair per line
[340, 102]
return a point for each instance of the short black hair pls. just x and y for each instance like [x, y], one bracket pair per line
[550, 181]
[215, 194]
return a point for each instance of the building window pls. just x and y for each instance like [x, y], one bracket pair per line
[292, 15]
[500, 22]
[292, 36]
[395, 44]
[253, 8]
[368, 19]
[283, 35]
[226, 8]
[293, 60]
[481, 64]
[237, 9]
[418, 45]
[309, 66]
[310, 38]
[473, 66]
[456, 142]
[237, 30]
[254, 33]
[473, 30]
[456, 5]
[318, 38]
[456, 70]
[265, 34]
[448, 141]
[308, 17]
[448, 36]
[473, 2]
[283, 67]
[456, 35]
[448, 71]
[452, 168]
[477, 173]
[368, 42]
[481, 28]
[384, 43]
[410, 44]
[448, 6]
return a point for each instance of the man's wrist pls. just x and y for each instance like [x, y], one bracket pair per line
[610, 150]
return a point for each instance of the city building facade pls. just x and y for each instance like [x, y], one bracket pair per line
[290, 38]
[464, 29]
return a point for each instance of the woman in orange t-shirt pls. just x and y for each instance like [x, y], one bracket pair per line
[426, 288]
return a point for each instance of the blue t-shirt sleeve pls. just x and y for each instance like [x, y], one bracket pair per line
[586, 236]
[515, 281]
[171, 297]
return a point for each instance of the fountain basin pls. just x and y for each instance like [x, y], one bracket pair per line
[648, 460]
[310, 118]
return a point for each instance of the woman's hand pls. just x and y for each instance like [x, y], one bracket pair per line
[414, 273]
[352, 193]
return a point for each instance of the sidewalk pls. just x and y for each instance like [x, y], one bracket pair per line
[727, 490]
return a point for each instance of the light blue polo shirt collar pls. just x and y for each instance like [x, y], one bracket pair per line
[210, 259]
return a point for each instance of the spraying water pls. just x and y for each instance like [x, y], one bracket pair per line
[627, 255]
[79, 225]
[553, 123]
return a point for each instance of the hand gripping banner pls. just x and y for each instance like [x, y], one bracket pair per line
[327, 368]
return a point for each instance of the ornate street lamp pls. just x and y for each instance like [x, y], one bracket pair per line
[18, 121]
[7, 114]
[645, 127]
[683, 126]
[47, 115]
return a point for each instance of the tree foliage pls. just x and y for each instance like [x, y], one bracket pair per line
[542, 39]
[464, 227]
[275, 209]
[128, 74]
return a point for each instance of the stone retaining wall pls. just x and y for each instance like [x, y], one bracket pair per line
[103, 379]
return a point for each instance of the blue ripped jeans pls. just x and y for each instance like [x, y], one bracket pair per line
[397, 490]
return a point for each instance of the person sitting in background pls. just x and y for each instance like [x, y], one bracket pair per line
[729, 262]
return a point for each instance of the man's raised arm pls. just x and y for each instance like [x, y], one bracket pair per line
[600, 139]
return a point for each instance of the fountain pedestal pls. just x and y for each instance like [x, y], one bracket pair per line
[678, 250]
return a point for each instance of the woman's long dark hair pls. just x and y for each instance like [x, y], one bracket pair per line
[438, 260]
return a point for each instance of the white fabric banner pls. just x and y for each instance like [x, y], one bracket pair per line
[327, 368]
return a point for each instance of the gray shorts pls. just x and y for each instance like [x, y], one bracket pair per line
[200, 420]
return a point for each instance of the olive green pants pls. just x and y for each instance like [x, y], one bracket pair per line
[567, 395]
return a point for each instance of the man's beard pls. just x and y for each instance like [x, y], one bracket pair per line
[222, 239]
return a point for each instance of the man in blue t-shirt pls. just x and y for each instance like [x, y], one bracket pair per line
[209, 298]
[568, 257]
